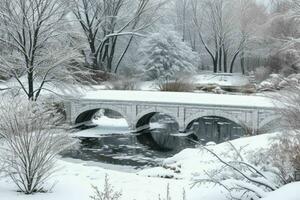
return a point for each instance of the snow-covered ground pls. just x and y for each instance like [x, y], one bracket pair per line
[287, 192]
[193, 161]
[74, 180]
[221, 79]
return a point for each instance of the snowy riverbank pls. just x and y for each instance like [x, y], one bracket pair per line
[74, 179]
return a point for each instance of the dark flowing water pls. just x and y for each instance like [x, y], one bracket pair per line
[137, 151]
[151, 147]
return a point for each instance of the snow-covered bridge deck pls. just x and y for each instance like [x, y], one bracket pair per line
[138, 107]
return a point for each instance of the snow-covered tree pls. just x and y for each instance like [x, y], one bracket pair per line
[165, 55]
[105, 22]
[40, 56]
[283, 33]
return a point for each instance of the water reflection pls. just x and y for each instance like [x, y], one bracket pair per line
[215, 129]
[150, 147]
[131, 150]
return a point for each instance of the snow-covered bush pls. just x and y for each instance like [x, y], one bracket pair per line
[108, 192]
[288, 103]
[279, 82]
[272, 83]
[241, 179]
[164, 54]
[282, 158]
[218, 90]
[285, 152]
[31, 139]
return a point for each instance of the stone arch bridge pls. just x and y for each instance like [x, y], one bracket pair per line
[137, 107]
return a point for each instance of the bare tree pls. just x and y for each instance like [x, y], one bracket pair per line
[103, 22]
[251, 17]
[223, 28]
[198, 22]
[184, 23]
[32, 139]
[213, 16]
[181, 7]
[41, 56]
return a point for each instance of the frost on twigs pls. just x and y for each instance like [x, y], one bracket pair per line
[242, 180]
[40, 56]
[108, 192]
[168, 194]
[31, 139]
[285, 150]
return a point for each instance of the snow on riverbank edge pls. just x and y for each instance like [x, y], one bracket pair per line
[194, 161]
[74, 180]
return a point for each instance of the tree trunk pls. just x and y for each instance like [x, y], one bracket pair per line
[215, 62]
[30, 83]
[220, 59]
[123, 54]
[112, 53]
[95, 64]
[243, 61]
[215, 66]
[233, 61]
[225, 60]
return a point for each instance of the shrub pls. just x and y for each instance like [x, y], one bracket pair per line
[207, 87]
[282, 158]
[177, 85]
[241, 179]
[168, 197]
[108, 192]
[248, 89]
[168, 194]
[285, 151]
[32, 139]
[99, 76]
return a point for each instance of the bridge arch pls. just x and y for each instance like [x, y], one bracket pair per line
[216, 128]
[194, 117]
[86, 114]
[143, 118]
